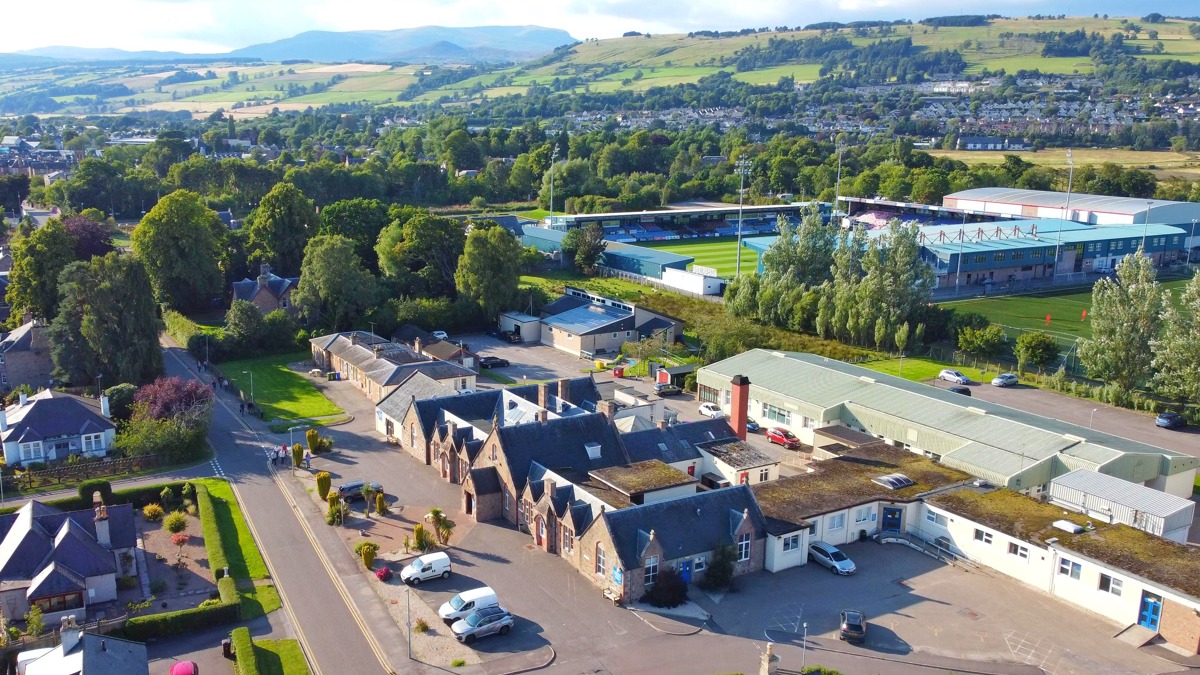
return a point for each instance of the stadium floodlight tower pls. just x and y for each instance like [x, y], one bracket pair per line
[553, 159]
[743, 168]
[837, 191]
[1066, 209]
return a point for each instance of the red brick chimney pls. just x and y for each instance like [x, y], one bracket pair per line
[739, 405]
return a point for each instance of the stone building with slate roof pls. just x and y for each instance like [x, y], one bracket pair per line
[268, 292]
[25, 357]
[63, 562]
[377, 367]
[51, 426]
[82, 653]
[622, 551]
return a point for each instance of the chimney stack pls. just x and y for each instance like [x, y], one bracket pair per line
[264, 274]
[70, 638]
[543, 399]
[739, 405]
[564, 389]
[104, 409]
[662, 425]
[24, 399]
[103, 536]
[542, 416]
[417, 345]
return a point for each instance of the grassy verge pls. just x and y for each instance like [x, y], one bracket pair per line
[280, 657]
[259, 601]
[72, 485]
[920, 369]
[245, 560]
[496, 377]
[282, 427]
[281, 392]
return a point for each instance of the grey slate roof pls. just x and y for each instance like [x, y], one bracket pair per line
[563, 304]
[654, 325]
[684, 526]
[418, 387]
[20, 339]
[558, 444]
[676, 443]
[485, 480]
[48, 414]
[737, 454]
[480, 405]
[113, 656]
[35, 531]
[276, 285]
[55, 579]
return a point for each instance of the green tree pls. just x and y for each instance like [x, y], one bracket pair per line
[443, 527]
[35, 623]
[981, 342]
[1126, 319]
[120, 400]
[901, 338]
[38, 259]
[360, 220]
[175, 522]
[281, 226]
[178, 242]
[323, 484]
[108, 323]
[1036, 348]
[461, 152]
[585, 244]
[489, 268]
[1176, 360]
[245, 326]
[422, 252]
[333, 284]
[802, 254]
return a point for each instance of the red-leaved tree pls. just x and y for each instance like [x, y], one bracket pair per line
[173, 397]
[91, 238]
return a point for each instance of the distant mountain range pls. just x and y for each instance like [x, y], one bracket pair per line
[427, 43]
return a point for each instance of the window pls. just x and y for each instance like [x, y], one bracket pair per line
[1118, 245]
[791, 543]
[812, 530]
[1, 358]
[1091, 248]
[985, 537]
[412, 438]
[980, 259]
[651, 570]
[1111, 585]
[1069, 569]
[1035, 254]
[32, 450]
[862, 515]
[506, 499]
[706, 394]
[1018, 255]
[599, 559]
[837, 522]
[997, 257]
[728, 396]
[699, 565]
[285, 304]
[936, 518]
[615, 336]
[628, 334]
[93, 442]
[1018, 550]
[743, 544]
[776, 414]
[493, 452]
[568, 540]
[764, 475]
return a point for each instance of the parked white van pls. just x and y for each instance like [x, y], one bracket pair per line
[466, 602]
[429, 566]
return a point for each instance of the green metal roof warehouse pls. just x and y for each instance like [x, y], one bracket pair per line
[647, 262]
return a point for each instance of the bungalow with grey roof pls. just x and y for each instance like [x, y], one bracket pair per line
[51, 426]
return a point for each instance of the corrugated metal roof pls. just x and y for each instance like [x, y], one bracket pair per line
[997, 442]
[644, 254]
[1133, 495]
[1079, 201]
[583, 320]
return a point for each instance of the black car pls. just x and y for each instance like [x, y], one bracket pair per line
[353, 490]
[492, 362]
[513, 337]
[852, 626]
[1169, 420]
[960, 390]
[667, 389]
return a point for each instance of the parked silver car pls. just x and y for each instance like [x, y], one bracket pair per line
[831, 558]
[483, 622]
[954, 376]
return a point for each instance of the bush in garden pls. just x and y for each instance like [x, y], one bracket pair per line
[167, 498]
[87, 487]
[323, 483]
[422, 539]
[313, 438]
[668, 590]
[152, 512]
[384, 573]
[381, 506]
[367, 550]
[175, 522]
[297, 454]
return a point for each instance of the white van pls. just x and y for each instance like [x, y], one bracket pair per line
[429, 566]
[466, 602]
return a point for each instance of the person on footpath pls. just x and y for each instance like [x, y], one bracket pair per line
[307, 458]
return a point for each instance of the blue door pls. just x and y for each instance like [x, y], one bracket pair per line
[1150, 611]
[891, 519]
[685, 572]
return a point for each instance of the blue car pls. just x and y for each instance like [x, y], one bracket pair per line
[751, 425]
[1169, 420]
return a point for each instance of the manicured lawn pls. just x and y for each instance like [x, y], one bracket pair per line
[245, 561]
[259, 601]
[922, 369]
[718, 252]
[1018, 313]
[282, 393]
[280, 657]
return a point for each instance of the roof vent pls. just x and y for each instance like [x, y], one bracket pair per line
[868, 380]
[894, 481]
[1068, 526]
[593, 450]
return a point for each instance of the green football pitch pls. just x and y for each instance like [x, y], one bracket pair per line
[1019, 313]
[718, 252]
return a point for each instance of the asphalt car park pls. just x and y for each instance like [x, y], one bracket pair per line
[916, 604]
[528, 361]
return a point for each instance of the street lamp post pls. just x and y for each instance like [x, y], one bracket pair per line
[553, 160]
[251, 374]
[1067, 208]
[291, 439]
[837, 191]
[1092, 417]
[804, 648]
[743, 168]
[1188, 243]
[1146, 227]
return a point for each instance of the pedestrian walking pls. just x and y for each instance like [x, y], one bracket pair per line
[242, 408]
[214, 384]
[307, 458]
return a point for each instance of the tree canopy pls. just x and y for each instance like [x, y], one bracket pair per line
[281, 226]
[1125, 319]
[489, 268]
[38, 259]
[179, 243]
[334, 287]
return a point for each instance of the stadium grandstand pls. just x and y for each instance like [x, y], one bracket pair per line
[878, 213]
[688, 223]
[1100, 210]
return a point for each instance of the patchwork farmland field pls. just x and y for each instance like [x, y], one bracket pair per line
[717, 252]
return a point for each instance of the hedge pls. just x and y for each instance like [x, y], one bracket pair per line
[217, 559]
[243, 651]
[138, 497]
[180, 328]
[167, 624]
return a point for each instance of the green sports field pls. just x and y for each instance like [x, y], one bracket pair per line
[717, 252]
[1018, 313]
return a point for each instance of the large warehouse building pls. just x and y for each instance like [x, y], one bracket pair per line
[1084, 208]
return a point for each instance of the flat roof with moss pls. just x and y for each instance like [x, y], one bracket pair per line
[849, 480]
[642, 477]
[1121, 547]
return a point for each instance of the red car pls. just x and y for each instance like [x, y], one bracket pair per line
[783, 437]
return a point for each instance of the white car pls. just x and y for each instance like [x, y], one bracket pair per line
[711, 410]
[1004, 380]
[954, 376]
[831, 558]
[440, 334]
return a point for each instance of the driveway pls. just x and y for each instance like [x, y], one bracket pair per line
[918, 606]
[531, 361]
[1110, 419]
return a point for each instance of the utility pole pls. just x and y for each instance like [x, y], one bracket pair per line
[1188, 243]
[837, 192]
[1067, 210]
[553, 160]
[1146, 228]
[743, 168]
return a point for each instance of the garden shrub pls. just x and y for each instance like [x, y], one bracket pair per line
[188, 491]
[381, 506]
[312, 437]
[384, 573]
[217, 558]
[297, 454]
[720, 568]
[167, 497]
[669, 590]
[243, 649]
[323, 483]
[175, 522]
[152, 512]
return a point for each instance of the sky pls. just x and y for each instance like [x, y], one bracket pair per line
[220, 25]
